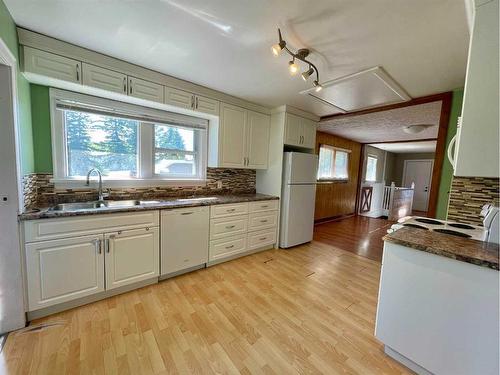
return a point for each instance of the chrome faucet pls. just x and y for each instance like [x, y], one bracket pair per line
[99, 174]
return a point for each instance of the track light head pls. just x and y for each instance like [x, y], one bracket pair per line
[292, 67]
[277, 48]
[307, 73]
[317, 86]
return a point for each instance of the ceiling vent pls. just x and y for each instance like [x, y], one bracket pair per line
[366, 89]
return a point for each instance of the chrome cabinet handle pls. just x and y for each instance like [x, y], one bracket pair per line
[130, 86]
[262, 238]
[265, 206]
[263, 221]
[125, 85]
[230, 209]
[97, 244]
[108, 243]
[230, 226]
[78, 72]
[229, 247]
[196, 102]
[192, 101]
[187, 213]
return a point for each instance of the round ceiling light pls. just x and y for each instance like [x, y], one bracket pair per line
[415, 129]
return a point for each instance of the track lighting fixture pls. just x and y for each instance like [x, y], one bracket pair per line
[301, 55]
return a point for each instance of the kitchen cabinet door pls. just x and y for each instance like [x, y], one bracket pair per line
[105, 79]
[207, 105]
[232, 136]
[64, 270]
[293, 130]
[257, 148]
[131, 256]
[308, 134]
[142, 89]
[179, 98]
[180, 249]
[51, 65]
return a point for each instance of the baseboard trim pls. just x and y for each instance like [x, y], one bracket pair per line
[333, 218]
[405, 361]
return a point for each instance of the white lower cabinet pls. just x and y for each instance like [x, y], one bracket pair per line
[184, 239]
[253, 228]
[79, 264]
[63, 270]
[131, 256]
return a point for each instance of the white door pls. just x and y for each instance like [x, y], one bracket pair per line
[142, 89]
[293, 130]
[297, 215]
[258, 140]
[11, 280]
[419, 172]
[308, 134]
[131, 256]
[105, 79]
[63, 270]
[233, 134]
[180, 249]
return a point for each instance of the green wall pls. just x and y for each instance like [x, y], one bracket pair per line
[447, 171]
[8, 34]
[42, 145]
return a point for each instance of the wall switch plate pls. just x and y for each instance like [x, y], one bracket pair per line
[219, 184]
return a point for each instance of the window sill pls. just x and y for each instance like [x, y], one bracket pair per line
[79, 183]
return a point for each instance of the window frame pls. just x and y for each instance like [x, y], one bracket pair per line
[335, 149]
[145, 148]
[366, 168]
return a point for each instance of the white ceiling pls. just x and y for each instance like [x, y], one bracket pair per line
[407, 147]
[225, 44]
[386, 126]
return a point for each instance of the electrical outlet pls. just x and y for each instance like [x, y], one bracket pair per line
[219, 184]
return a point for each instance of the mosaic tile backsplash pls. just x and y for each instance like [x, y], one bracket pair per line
[467, 197]
[38, 191]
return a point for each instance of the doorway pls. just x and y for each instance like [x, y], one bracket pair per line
[419, 172]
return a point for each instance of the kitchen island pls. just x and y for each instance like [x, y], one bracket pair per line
[438, 306]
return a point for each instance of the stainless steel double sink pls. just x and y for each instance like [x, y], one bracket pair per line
[94, 205]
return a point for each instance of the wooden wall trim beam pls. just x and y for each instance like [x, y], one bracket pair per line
[409, 103]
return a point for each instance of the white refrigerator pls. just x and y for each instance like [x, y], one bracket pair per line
[298, 198]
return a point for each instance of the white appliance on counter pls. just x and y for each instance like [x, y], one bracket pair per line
[298, 198]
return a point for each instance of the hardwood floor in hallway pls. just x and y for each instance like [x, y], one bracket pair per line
[358, 234]
[310, 309]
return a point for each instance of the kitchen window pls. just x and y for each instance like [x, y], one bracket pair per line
[371, 168]
[333, 163]
[131, 145]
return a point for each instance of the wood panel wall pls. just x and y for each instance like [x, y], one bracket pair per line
[338, 198]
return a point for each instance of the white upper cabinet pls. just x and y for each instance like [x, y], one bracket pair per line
[257, 152]
[243, 138]
[206, 105]
[104, 79]
[179, 98]
[185, 99]
[131, 256]
[50, 65]
[140, 88]
[477, 153]
[300, 132]
[232, 136]
[293, 130]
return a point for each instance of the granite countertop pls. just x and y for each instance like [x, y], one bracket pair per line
[156, 204]
[480, 253]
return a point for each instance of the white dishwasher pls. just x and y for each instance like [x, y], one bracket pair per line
[184, 239]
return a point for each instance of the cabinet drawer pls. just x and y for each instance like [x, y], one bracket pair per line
[262, 220]
[263, 206]
[48, 229]
[227, 247]
[228, 210]
[228, 226]
[261, 238]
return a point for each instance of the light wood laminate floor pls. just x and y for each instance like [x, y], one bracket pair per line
[310, 309]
